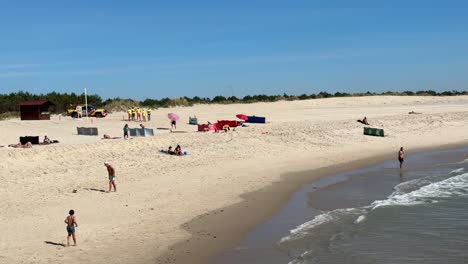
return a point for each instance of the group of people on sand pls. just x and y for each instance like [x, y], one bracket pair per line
[177, 151]
[28, 144]
[70, 220]
[137, 114]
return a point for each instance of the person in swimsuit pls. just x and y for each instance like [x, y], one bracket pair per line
[71, 224]
[401, 157]
[173, 124]
[111, 172]
[178, 151]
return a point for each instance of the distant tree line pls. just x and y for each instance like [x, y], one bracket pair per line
[9, 103]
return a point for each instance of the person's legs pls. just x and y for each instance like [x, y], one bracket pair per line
[110, 186]
[68, 240]
[74, 238]
[113, 184]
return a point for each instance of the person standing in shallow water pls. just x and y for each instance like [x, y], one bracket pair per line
[401, 157]
[71, 224]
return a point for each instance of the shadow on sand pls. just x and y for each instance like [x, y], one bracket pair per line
[54, 244]
[96, 190]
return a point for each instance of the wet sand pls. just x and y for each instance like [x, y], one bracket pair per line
[341, 189]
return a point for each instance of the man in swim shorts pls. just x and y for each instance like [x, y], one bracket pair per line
[111, 172]
[71, 224]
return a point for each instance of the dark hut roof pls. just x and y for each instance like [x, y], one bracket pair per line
[35, 102]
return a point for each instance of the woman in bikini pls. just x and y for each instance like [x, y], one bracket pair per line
[401, 157]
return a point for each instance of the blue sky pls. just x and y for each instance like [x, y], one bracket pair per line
[154, 49]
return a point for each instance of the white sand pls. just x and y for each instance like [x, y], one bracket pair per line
[157, 193]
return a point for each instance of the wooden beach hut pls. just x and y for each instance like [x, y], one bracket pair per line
[35, 110]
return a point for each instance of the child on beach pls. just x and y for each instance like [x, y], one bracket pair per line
[71, 224]
[125, 130]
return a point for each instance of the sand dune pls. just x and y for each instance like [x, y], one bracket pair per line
[158, 193]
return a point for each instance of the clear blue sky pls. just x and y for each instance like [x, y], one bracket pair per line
[155, 49]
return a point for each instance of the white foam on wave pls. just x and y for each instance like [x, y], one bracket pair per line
[318, 220]
[454, 186]
[419, 191]
[457, 171]
[464, 161]
[360, 219]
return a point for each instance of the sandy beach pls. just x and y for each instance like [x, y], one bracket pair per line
[172, 209]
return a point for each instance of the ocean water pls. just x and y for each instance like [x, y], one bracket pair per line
[376, 215]
[424, 218]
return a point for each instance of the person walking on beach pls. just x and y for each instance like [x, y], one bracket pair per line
[173, 124]
[111, 172]
[125, 130]
[401, 157]
[71, 224]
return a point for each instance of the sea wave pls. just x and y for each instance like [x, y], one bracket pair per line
[420, 191]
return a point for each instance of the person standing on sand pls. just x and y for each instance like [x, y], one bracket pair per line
[125, 130]
[401, 157]
[71, 224]
[111, 172]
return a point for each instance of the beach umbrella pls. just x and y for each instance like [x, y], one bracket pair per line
[242, 116]
[172, 117]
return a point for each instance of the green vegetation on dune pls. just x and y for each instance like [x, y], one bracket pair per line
[9, 103]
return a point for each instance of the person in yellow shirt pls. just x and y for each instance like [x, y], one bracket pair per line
[138, 112]
[133, 113]
[129, 112]
[143, 115]
[148, 112]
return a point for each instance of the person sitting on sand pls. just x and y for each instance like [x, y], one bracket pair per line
[19, 145]
[71, 224]
[364, 121]
[178, 151]
[46, 140]
[168, 151]
[142, 126]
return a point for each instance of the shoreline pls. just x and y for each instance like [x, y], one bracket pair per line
[226, 231]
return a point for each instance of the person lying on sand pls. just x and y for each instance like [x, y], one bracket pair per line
[413, 113]
[168, 151]
[178, 151]
[106, 136]
[19, 145]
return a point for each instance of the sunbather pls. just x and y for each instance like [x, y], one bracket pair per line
[19, 145]
[106, 136]
[178, 151]
[363, 121]
[168, 151]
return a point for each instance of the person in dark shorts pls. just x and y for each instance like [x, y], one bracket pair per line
[173, 124]
[111, 172]
[71, 224]
[401, 157]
